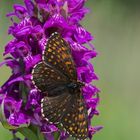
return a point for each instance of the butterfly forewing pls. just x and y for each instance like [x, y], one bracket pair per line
[75, 119]
[57, 53]
[68, 110]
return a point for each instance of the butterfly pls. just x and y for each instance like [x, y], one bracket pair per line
[56, 77]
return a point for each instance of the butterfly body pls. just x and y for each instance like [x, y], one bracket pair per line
[55, 76]
[73, 86]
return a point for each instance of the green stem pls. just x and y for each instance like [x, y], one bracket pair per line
[32, 133]
[56, 136]
[28, 133]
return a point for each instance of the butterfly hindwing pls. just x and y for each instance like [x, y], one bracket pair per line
[58, 54]
[47, 79]
[53, 108]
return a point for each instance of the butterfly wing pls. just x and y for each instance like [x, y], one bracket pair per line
[48, 80]
[53, 108]
[70, 111]
[57, 54]
[75, 120]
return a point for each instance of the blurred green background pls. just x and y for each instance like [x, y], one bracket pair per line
[115, 25]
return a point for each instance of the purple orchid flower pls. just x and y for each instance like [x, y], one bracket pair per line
[38, 19]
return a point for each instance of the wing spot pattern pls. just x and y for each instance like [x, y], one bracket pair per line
[49, 50]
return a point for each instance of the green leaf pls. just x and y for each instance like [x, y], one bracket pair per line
[28, 133]
[37, 131]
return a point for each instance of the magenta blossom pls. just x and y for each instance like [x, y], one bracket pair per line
[20, 100]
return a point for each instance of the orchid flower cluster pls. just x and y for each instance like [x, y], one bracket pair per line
[20, 109]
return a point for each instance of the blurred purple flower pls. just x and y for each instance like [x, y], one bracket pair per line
[38, 20]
